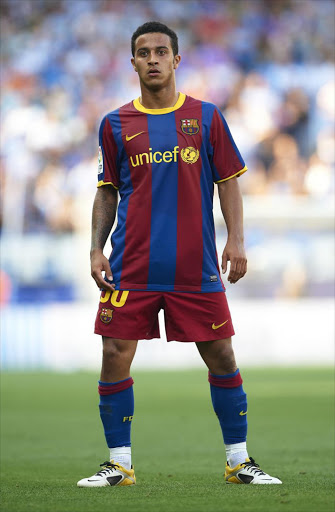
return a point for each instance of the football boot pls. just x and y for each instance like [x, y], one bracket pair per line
[248, 472]
[110, 474]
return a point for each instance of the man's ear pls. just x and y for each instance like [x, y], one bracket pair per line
[176, 61]
[132, 60]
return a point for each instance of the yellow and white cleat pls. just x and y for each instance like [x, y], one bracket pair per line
[248, 472]
[110, 474]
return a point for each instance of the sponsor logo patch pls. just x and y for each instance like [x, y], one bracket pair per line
[190, 155]
[100, 162]
[106, 315]
[190, 126]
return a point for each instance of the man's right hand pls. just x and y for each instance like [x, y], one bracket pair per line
[99, 264]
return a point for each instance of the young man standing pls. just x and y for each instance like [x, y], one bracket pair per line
[162, 153]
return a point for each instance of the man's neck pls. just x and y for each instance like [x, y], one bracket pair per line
[162, 98]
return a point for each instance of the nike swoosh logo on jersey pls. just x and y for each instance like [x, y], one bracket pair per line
[242, 413]
[217, 326]
[132, 136]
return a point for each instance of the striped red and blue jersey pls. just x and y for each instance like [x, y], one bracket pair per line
[164, 163]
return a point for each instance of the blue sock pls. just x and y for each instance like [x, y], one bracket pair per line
[230, 405]
[116, 411]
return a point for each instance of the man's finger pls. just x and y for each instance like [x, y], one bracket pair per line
[238, 271]
[107, 269]
[107, 286]
[242, 267]
[224, 262]
[243, 270]
[100, 281]
[233, 270]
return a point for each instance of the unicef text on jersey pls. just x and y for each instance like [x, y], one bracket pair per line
[189, 155]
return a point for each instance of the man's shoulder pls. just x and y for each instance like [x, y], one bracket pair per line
[206, 105]
[127, 108]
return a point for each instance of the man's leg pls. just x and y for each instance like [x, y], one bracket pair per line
[116, 412]
[230, 405]
[228, 397]
[117, 397]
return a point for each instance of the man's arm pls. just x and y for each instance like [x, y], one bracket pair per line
[232, 209]
[103, 216]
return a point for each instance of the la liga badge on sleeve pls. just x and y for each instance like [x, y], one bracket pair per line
[100, 161]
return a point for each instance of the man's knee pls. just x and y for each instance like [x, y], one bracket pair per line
[111, 351]
[225, 358]
[226, 351]
[219, 356]
[117, 356]
[117, 352]
[229, 364]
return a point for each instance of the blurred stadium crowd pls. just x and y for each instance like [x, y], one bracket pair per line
[268, 65]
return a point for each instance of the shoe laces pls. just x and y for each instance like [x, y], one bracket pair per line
[253, 467]
[107, 467]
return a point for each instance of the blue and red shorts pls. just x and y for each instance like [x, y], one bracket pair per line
[133, 315]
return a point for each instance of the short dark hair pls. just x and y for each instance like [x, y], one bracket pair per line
[155, 26]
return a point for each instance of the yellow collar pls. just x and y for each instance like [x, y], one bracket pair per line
[157, 111]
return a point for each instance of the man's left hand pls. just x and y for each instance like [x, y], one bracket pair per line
[235, 253]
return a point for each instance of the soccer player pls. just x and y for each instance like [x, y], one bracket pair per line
[161, 154]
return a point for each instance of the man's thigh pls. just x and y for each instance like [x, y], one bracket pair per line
[128, 315]
[197, 316]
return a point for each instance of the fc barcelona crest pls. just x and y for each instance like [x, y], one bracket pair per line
[106, 315]
[190, 126]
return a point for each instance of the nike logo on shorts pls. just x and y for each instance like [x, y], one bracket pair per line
[217, 326]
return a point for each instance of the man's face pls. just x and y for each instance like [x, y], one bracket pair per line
[154, 60]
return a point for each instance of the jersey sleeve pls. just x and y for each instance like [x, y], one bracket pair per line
[226, 161]
[108, 172]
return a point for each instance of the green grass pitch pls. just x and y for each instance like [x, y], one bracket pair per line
[52, 437]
